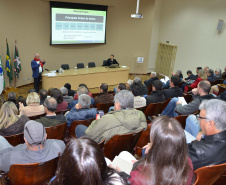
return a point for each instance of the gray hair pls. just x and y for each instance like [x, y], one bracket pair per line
[130, 82]
[215, 111]
[207, 67]
[51, 104]
[125, 99]
[12, 95]
[82, 90]
[153, 74]
[84, 100]
[64, 91]
[137, 80]
[179, 71]
[218, 70]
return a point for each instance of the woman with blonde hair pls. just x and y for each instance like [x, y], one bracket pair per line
[33, 107]
[10, 122]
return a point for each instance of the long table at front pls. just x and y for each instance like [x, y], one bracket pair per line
[92, 77]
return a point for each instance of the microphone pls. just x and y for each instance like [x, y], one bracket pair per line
[46, 69]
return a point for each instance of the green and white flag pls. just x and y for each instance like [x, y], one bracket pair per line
[2, 81]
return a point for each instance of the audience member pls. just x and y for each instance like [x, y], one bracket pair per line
[210, 150]
[35, 149]
[120, 87]
[156, 94]
[33, 107]
[22, 100]
[70, 92]
[143, 88]
[202, 93]
[138, 100]
[50, 92]
[81, 111]
[12, 98]
[61, 103]
[166, 160]
[67, 98]
[10, 122]
[150, 81]
[206, 69]
[89, 93]
[210, 75]
[32, 90]
[123, 120]
[224, 73]
[83, 163]
[174, 90]
[190, 76]
[197, 70]
[128, 84]
[104, 97]
[179, 73]
[43, 96]
[51, 119]
[81, 90]
[218, 74]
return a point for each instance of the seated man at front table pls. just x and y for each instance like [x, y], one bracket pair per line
[51, 119]
[151, 80]
[210, 150]
[81, 111]
[104, 97]
[111, 60]
[123, 120]
[36, 148]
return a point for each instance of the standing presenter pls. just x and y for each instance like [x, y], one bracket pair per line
[111, 61]
[37, 68]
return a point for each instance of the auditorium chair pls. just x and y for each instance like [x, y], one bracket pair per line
[101, 144]
[56, 132]
[37, 116]
[153, 109]
[80, 65]
[188, 98]
[16, 139]
[74, 124]
[221, 88]
[105, 63]
[218, 81]
[182, 120]
[210, 175]
[119, 143]
[32, 174]
[65, 66]
[141, 108]
[149, 89]
[62, 112]
[164, 105]
[104, 106]
[91, 64]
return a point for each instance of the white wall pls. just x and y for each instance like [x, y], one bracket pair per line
[191, 25]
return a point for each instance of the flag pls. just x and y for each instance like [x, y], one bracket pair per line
[17, 66]
[2, 81]
[8, 64]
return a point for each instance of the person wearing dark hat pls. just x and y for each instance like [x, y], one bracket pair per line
[36, 148]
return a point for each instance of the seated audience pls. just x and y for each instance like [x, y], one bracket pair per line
[81, 111]
[33, 107]
[22, 100]
[224, 73]
[36, 148]
[143, 88]
[12, 98]
[156, 94]
[166, 160]
[123, 120]
[138, 100]
[70, 92]
[128, 84]
[210, 75]
[179, 73]
[218, 74]
[150, 81]
[51, 119]
[201, 76]
[202, 93]
[206, 69]
[61, 103]
[49, 94]
[32, 90]
[190, 76]
[43, 96]
[120, 87]
[89, 93]
[210, 150]
[104, 97]
[67, 98]
[83, 163]
[197, 70]
[81, 90]
[111, 60]
[174, 90]
[10, 122]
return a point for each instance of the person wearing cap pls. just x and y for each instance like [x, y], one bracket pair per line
[36, 148]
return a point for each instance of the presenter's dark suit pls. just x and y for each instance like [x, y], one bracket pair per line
[36, 75]
[109, 62]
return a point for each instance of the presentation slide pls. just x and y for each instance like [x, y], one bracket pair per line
[77, 26]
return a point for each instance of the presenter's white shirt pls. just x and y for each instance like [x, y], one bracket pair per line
[40, 67]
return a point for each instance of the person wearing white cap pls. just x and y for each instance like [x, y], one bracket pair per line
[35, 149]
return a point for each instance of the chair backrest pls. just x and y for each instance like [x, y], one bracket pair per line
[153, 109]
[208, 175]
[37, 116]
[119, 143]
[74, 124]
[65, 66]
[80, 65]
[104, 106]
[222, 88]
[62, 112]
[35, 173]
[16, 139]
[95, 94]
[182, 120]
[101, 144]
[188, 97]
[164, 104]
[56, 132]
[142, 108]
[149, 89]
[105, 63]
[91, 64]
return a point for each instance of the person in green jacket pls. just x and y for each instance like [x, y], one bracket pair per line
[124, 120]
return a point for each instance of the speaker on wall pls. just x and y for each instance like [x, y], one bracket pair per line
[220, 25]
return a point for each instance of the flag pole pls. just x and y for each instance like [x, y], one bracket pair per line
[6, 70]
[14, 66]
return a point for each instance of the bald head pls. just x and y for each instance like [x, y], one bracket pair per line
[205, 86]
[51, 104]
[37, 56]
